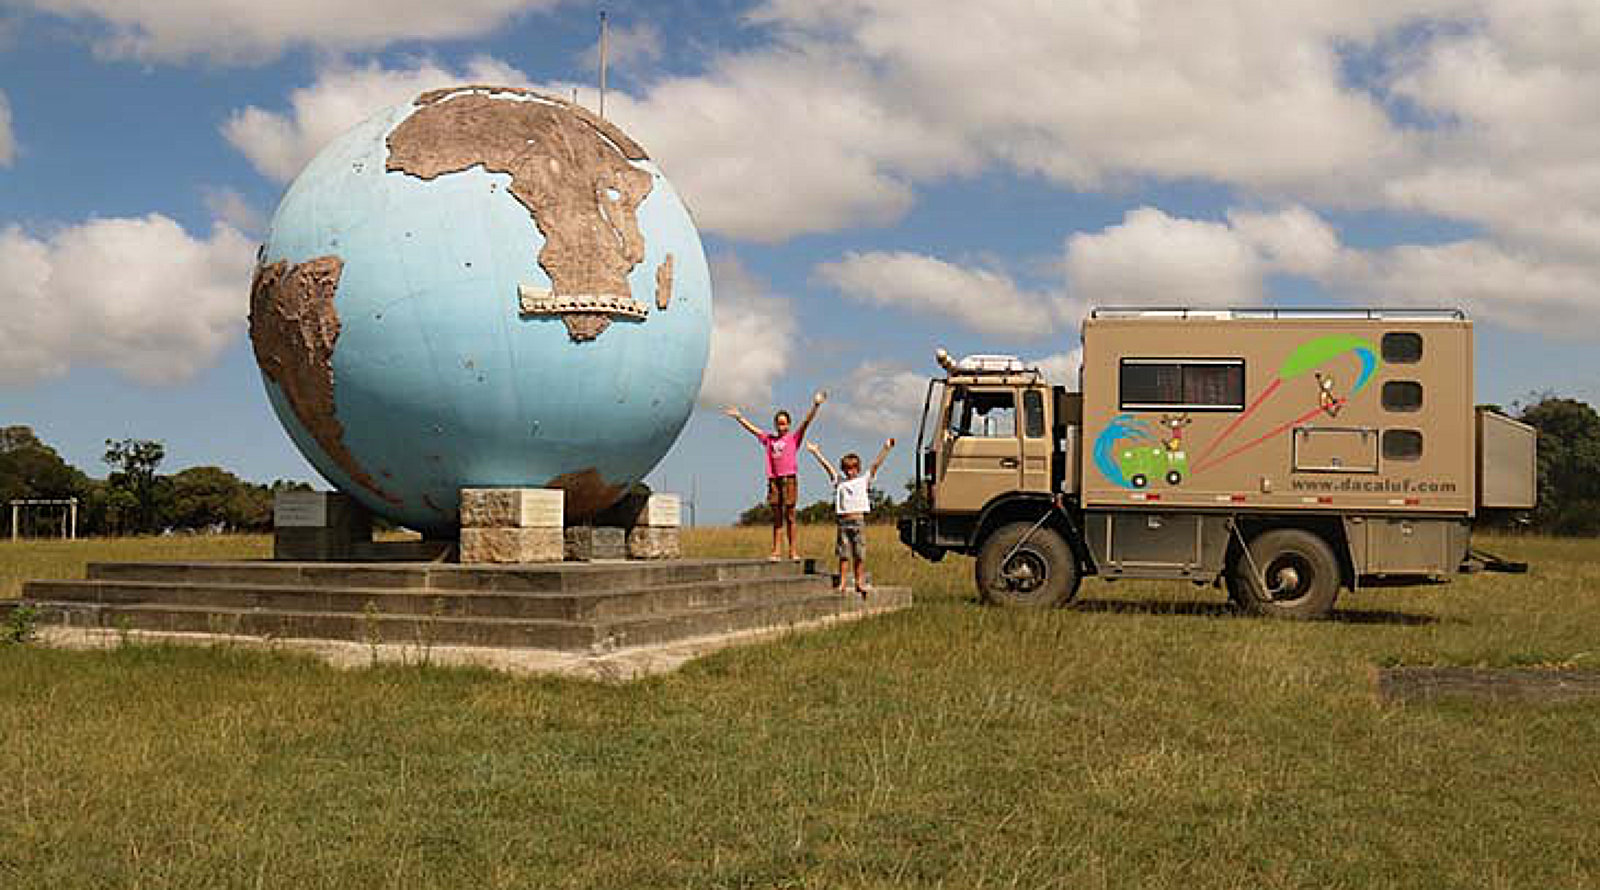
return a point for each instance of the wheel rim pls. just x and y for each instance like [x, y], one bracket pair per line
[1289, 578]
[1025, 573]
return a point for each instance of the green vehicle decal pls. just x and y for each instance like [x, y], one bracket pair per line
[1144, 465]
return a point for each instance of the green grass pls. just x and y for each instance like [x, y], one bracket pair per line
[1145, 739]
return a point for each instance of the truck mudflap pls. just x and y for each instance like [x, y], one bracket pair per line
[917, 533]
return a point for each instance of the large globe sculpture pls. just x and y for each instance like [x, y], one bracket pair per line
[482, 287]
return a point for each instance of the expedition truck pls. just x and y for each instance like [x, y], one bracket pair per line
[1283, 454]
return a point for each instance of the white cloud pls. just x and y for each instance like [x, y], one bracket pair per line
[140, 296]
[279, 144]
[248, 31]
[1155, 259]
[833, 122]
[752, 338]
[8, 140]
[1490, 282]
[984, 300]
[629, 48]
[775, 143]
[1152, 259]
[1062, 368]
[234, 209]
[882, 399]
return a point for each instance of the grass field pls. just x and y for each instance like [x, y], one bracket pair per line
[1146, 738]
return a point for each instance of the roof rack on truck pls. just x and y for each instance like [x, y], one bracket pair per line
[1258, 312]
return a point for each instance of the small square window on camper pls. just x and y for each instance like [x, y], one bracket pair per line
[1186, 384]
[1404, 348]
[1402, 445]
[1402, 395]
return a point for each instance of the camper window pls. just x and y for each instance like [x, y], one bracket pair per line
[1402, 395]
[1188, 384]
[1402, 445]
[1402, 348]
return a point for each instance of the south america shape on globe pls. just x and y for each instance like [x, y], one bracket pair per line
[482, 287]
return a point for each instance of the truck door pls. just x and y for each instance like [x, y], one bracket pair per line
[982, 448]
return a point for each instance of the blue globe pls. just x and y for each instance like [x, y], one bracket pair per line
[482, 287]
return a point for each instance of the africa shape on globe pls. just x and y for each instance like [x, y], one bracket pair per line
[483, 287]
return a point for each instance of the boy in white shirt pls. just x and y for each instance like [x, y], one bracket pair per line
[850, 505]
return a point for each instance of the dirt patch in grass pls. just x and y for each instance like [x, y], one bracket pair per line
[1513, 684]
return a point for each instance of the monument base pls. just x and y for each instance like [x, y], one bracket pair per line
[586, 611]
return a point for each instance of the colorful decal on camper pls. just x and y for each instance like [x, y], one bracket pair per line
[1308, 357]
[1131, 454]
[1122, 428]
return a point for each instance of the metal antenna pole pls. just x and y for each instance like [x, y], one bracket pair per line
[602, 63]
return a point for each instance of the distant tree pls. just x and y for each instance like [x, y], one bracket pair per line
[30, 469]
[760, 514]
[816, 513]
[916, 499]
[133, 463]
[206, 497]
[1569, 465]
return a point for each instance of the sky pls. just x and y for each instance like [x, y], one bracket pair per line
[871, 179]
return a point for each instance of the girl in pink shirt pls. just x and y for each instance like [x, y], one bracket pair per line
[782, 449]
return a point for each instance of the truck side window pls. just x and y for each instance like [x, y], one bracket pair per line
[1404, 348]
[1033, 413]
[958, 410]
[988, 415]
[1189, 384]
[1402, 445]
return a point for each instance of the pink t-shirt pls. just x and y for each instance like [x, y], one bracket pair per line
[783, 453]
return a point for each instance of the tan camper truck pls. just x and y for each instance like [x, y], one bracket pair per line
[1284, 454]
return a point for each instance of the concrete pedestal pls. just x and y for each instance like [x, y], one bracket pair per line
[587, 542]
[512, 525]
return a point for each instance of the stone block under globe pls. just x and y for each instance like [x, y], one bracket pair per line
[484, 287]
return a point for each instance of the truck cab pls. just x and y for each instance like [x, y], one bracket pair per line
[1284, 455]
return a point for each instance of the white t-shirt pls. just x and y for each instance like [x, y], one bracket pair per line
[850, 495]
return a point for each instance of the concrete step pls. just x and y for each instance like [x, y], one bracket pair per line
[555, 577]
[373, 627]
[556, 606]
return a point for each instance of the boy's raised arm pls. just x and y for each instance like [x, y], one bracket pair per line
[878, 461]
[734, 413]
[816, 451]
[816, 402]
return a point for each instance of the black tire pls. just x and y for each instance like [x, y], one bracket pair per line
[1041, 573]
[1174, 477]
[1300, 570]
[1138, 480]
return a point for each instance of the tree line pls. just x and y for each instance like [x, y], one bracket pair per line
[883, 508]
[134, 497]
[1569, 475]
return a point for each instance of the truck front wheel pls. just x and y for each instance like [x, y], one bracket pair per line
[1286, 573]
[1015, 568]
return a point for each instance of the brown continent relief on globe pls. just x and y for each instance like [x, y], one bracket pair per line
[569, 168]
[293, 329]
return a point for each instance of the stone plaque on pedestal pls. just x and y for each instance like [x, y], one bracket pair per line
[318, 526]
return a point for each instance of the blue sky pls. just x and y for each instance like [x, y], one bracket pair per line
[872, 178]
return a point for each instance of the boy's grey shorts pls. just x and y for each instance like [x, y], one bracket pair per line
[851, 543]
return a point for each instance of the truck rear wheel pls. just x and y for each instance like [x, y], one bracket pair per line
[1300, 572]
[1018, 569]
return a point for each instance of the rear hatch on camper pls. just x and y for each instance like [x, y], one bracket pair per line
[1508, 463]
